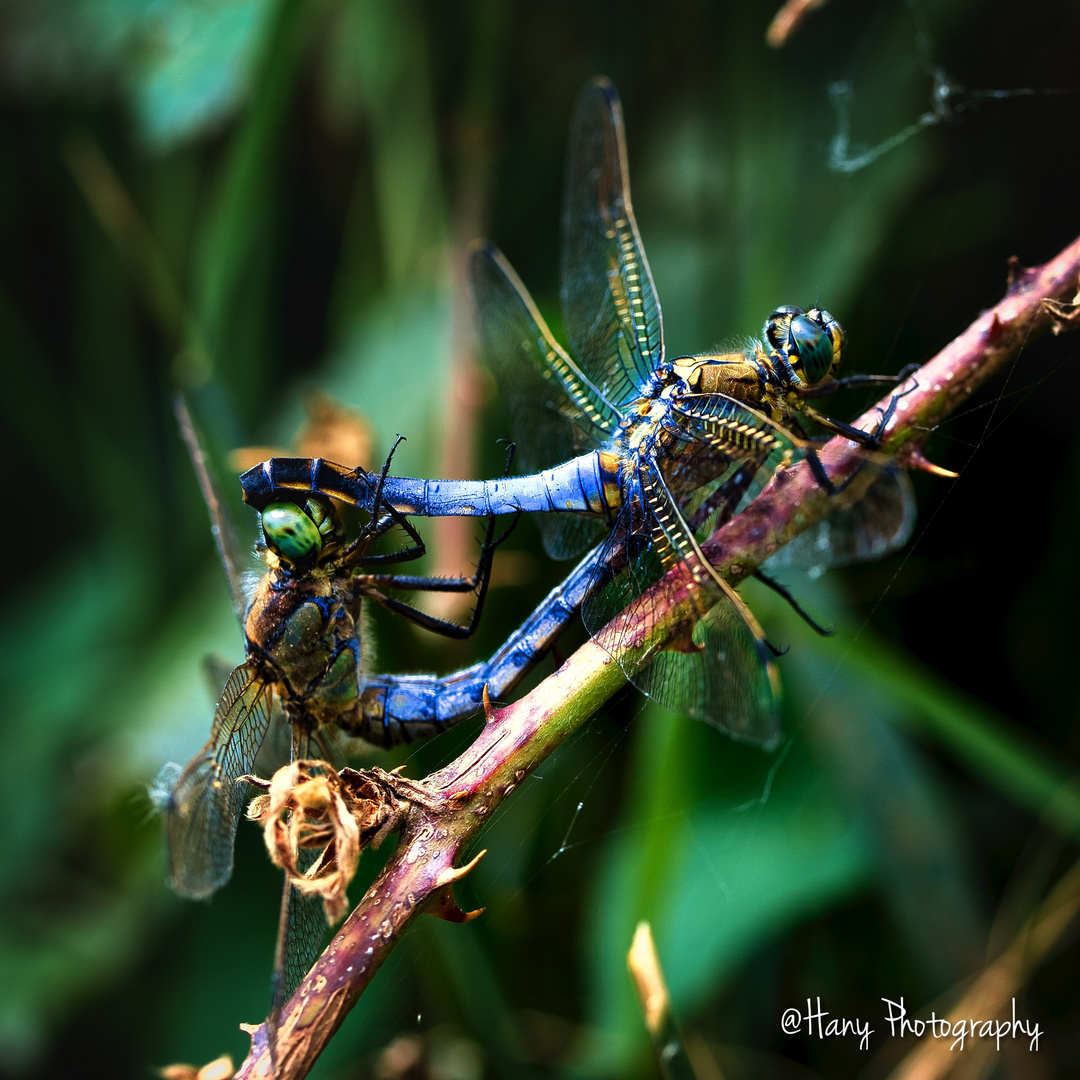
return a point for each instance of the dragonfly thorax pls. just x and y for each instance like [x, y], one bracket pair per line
[304, 631]
[646, 418]
[799, 350]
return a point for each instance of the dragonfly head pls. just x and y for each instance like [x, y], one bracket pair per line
[811, 342]
[298, 535]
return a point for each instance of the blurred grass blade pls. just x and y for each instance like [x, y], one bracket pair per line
[240, 224]
[1008, 760]
[994, 989]
[652, 991]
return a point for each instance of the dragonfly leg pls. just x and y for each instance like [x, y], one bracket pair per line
[478, 583]
[382, 475]
[887, 413]
[384, 518]
[444, 627]
[474, 581]
[837, 427]
[821, 476]
[356, 553]
[418, 548]
[869, 439]
[478, 580]
[415, 550]
[825, 389]
[511, 449]
[783, 591]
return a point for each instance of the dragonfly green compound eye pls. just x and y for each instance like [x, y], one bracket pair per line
[809, 342]
[290, 532]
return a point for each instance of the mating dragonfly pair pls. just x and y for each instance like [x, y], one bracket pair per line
[644, 453]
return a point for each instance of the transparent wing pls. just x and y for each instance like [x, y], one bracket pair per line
[714, 504]
[723, 455]
[555, 411]
[723, 437]
[306, 935]
[230, 551]
[568, 535]
[717, 427]
[302, 933]
[204, 806]
[302, 928]
[881, 521]
[719, 669]
[723, 680]
[612, 314]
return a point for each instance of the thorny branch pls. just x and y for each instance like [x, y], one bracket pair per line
[440, 815]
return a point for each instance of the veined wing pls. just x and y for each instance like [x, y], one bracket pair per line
[306, 935]
[204, 807]
[720, 670]
[302, 927]
[723, 455]
[556, 412]
[727, 428]
[612, 313]
[719, 429]
[879, 522]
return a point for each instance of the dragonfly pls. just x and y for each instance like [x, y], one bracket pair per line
[650, 451]
[303, 648]
[305, 657]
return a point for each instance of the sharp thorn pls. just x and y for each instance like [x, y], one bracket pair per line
[452, 874]
[491, 714]
[443, 904]
[917, 461]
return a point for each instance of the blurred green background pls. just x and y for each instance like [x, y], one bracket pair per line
[253, 199]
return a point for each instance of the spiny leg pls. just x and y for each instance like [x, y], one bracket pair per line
[355, 554]
[383, 474]
[826, 389]
[478, 583]
[487, 550]
[383, 519]
[871, 440]
[782, 590]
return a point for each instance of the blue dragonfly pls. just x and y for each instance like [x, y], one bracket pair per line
[305, 660]
[655, 452]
